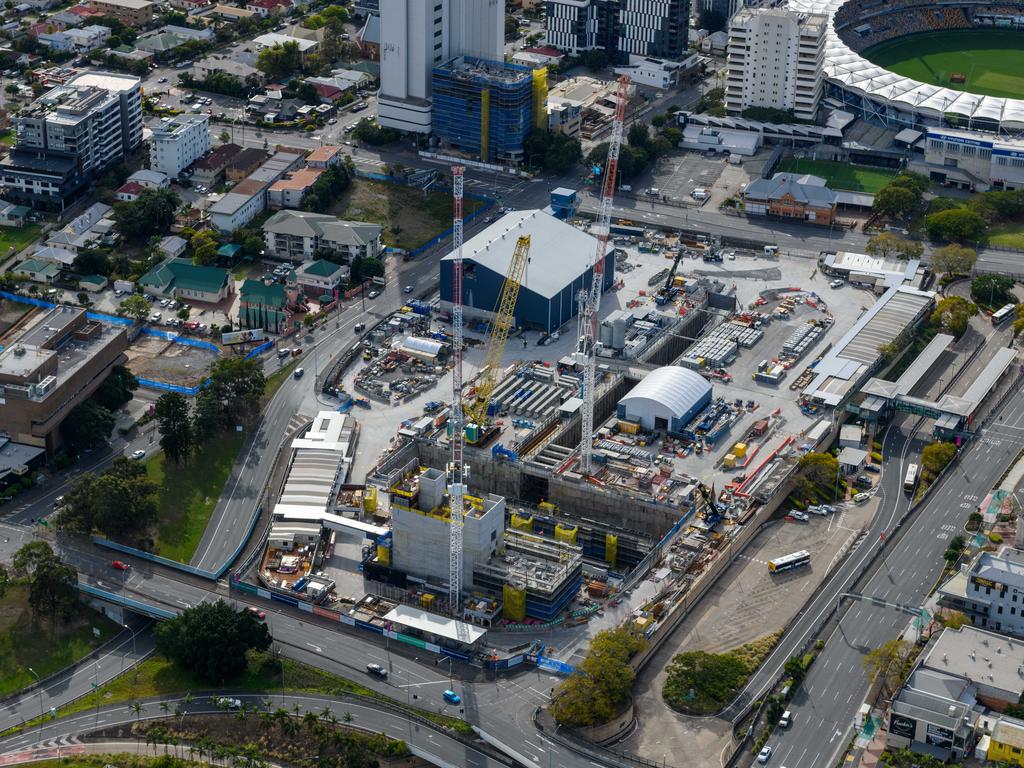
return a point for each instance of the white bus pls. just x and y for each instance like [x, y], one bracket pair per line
[1003, 314]
[786, 562]
[910, 481]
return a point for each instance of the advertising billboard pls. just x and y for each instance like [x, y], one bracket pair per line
[243, 337]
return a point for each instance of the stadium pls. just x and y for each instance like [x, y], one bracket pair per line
[905, 63]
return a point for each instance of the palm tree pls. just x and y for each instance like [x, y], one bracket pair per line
[326, 713]
[165, 707]
[310, 720]
[346, 717]
[296, 708]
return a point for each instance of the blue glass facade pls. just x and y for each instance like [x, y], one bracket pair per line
[483, 108]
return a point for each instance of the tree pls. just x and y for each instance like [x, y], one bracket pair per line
[309, 320]
[182, 313]
[957, 225]
[896, 202]
[91, 261]
[152, 213]
[889, 663]
[204, 246]
[954, 259]
[280, 61]
[819, 468]
[87, 425]
[511, 27]
[53, 586]
[176, 436]
[117, 388]
[935, 456]
[79, 511]
[889, 244]
[224, 137]
[29, 557]
[374, 134]
[136, 307]
[917, 183]
[364, 267]
[953, 313]
[124, 499]
[992, 290]
[232, 396]
[602, 682]
[211, 640]
[794, 668]
[954, 619]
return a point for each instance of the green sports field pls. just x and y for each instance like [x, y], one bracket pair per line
[851, 178]
[992, 60]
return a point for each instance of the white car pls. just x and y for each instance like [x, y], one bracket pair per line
[803, 517]
[837, 283]
[139, 454]
[227, 703]
[764, 754]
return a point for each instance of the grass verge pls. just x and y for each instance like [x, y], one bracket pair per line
[276, 379]
[189, 493]
[27, 642]
[1007, 235]
[854, 178]
[703, 683]
[15, 239]
[156, 677]
[410, 217]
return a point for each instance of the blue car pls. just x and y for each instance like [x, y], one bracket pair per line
[451, 697]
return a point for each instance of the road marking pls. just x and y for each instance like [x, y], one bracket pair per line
[316, 648]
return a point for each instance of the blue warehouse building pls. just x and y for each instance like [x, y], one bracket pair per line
[559, 267]
[486, 109]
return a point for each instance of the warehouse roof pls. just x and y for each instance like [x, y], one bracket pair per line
[559, 253]
[981, 656]
[674, 387]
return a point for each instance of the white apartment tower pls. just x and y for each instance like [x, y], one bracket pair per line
[775, 60]
[178, 143]
[417, 35]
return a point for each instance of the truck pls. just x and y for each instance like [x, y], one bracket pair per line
[362, 402]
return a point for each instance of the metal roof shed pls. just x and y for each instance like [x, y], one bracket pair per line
[432, 624]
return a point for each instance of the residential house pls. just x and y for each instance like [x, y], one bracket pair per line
[129, 54]
[38, 271]
[191, 7]
[92, 283]
[298, 235]
[246, 200]
[267, 8]
[181, 279]
[288, 191]
[56, 41]
[209, 170]
[243, 163]
[321, 277]
[230, 13]
[270, 39]
[791, 196]
[129, 191]
[989, 591]
[151, 179]
[171, 36]
[59, 256]
[220, 64]
[91, 228]
[88, 38]
[325, 156]
[340, 82]
[172, 246]
[12, 215]
[263, 305]
[134, 13]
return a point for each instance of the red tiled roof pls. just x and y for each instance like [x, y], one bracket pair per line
[546, 50]
[131, 188]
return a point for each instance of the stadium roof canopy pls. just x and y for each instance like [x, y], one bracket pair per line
[851, 70]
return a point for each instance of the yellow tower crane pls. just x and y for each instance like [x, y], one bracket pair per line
[476, 408]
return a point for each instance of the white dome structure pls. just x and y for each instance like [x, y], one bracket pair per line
[668, 398]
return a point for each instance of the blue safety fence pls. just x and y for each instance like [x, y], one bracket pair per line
[28, 300]
[554, 665]
[112, 319]
[127, 602]
[259, 350]
[163, 386]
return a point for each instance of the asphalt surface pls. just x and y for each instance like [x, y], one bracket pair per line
[826, 704]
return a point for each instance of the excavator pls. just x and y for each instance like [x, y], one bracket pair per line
[712, 513]
[666, 293]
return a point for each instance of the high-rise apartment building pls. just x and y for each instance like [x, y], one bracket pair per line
[69, 135]
[622, 28]
[178, 143]
[416, 36]
[775, 60]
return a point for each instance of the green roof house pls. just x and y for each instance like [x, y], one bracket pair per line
[92, 283]
[263, 306]
[38, 271]
[181, 279]
[320, 276]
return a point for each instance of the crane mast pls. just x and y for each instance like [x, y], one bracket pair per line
[456, 484]
[591, 304]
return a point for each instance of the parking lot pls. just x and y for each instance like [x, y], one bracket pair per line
[676, 176]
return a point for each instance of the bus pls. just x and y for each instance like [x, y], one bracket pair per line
[1001, 315]
[910, 481]
[787, 562]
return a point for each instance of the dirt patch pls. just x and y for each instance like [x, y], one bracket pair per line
[11, 314]
[153, 358]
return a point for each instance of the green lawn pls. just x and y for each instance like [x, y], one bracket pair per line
[992, 60]
[14, 239]
[7, 138]
[1007, 235]
[410, 217]
[188, 494]
[852, 178]
[27, 642]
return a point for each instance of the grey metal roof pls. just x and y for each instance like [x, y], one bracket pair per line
[987, 658]
[674, 387]
[992, 372]
[806, 189]
[559, 253]
[309, 224]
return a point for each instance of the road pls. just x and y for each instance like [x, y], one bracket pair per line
[836, 685]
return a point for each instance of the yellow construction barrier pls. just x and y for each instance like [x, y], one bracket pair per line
[565, 533]
[520, 523]
[370, 500]
[540, 98]
[515, 603]
[383, 554]
[611, 548]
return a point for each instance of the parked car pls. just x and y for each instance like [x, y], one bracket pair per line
[139, 454]
[284, 352]
[873, 469]
[451, 697]
[860, 498]
[377, 671]
[803, 517]
[836, 284]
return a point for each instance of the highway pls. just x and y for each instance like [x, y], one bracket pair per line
[826, 703]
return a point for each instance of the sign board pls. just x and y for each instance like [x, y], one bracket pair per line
[243, 337]
[902, 726]
[938, 736]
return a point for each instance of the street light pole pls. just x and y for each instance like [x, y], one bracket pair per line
[39, 682]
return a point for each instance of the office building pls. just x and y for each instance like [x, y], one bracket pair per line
[69, 135]
[622, 28]
[989, 591]
[775, 60]
[53, 366]
[418, 36]
[486, 109]
[973, 160]
[134, 13]
[178, 142]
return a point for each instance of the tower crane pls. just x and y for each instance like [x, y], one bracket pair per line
[591, 303]
[504, 315]
[456, 470]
